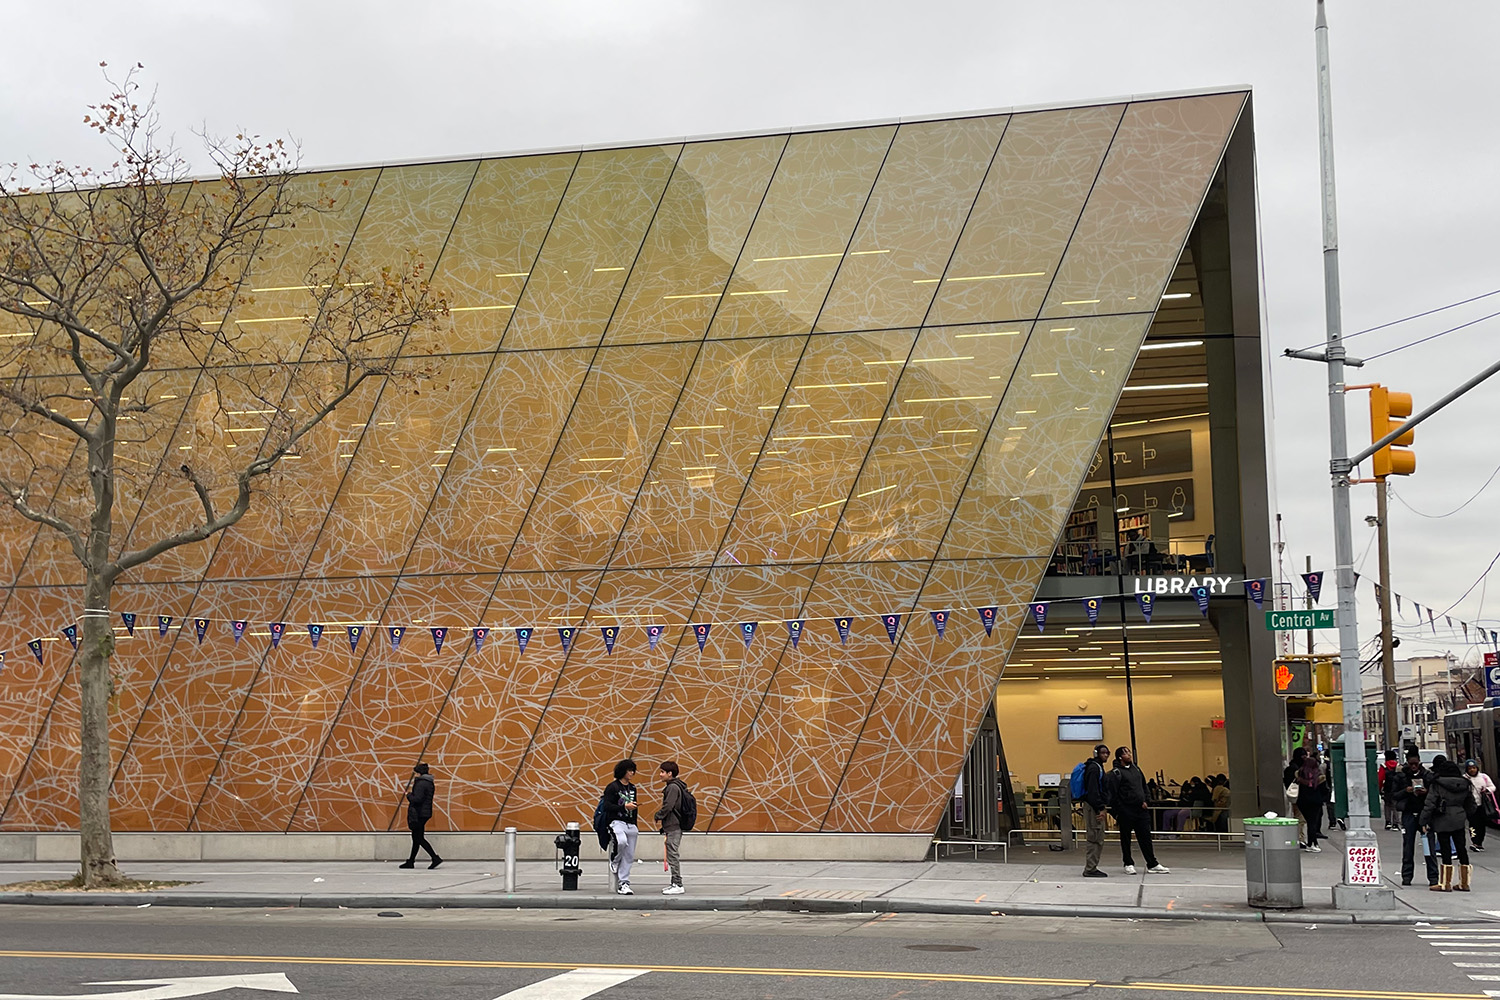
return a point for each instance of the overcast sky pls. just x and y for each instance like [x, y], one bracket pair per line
[1416, 143]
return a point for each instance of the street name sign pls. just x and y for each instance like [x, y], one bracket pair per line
[1293, 621]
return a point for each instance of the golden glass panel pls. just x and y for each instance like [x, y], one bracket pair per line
[498, 461]
[919, 728]
[1060, 399]
[1145, 200]
[921, 200]
[495, 242]
[600, 463]
[292, 703]
[492, 710]
[695, 239]
[596, 708]
[824, 425]
[1024, 216]
[801, 232]
[591, 248]
[949, 390]
[714, 439]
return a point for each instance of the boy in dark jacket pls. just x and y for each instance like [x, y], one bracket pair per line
[620, 813]
[418, 811]
[1408, 791]
[1095, 799]
[1127, 797]
[669, 818]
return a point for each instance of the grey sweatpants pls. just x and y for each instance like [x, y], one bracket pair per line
[674, 853]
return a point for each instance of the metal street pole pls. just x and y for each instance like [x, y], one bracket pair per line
[1361, 887]
[1387, 646]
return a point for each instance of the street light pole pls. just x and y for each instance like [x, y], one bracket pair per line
[1360, 888]
[1387, 643]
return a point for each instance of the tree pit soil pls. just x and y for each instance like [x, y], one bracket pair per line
[75, 884]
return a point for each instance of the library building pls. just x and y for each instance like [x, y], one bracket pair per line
[873, 473]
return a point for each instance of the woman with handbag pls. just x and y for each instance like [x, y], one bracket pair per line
[1485, 810]
[1312, 798]
[1289, 779]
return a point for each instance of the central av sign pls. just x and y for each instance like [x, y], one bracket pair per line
[1183, 585]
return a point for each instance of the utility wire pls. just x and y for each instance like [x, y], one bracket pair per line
[1404, 319]
[1472, 585]
[1441, 333]
[1455, 510]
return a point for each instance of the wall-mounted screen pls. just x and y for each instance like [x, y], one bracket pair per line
[1080, 727]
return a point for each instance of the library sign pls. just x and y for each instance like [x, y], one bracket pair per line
[1183, 586]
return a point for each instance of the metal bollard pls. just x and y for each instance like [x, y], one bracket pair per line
[510, 859]
[569, 843]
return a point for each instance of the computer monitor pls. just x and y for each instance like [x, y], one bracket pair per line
[1080, 728]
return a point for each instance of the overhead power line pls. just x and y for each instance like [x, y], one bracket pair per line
[1407, 319]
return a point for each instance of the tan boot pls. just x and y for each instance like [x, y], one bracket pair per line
[1445, 879]
[1464, 871]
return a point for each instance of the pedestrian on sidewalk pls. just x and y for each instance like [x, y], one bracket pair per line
[1382, 778]
[1127, 798]
[1409, 795]
[1312, 798]
[1095, 804]
[1485, 807]
[1289, 782]
[669, 818]
[1446, 813]
[620, 812]
[419, 796]
[1219, 821]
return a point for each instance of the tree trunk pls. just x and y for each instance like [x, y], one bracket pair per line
[95, 841]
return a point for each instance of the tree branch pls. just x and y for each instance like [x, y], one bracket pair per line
[17, 498]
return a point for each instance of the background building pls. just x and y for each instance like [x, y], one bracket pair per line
[838, 374]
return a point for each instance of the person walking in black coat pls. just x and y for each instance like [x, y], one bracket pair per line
[1446, 813]
[1127, 799]
[1408, 788]
[1312, 798]
[419, 798]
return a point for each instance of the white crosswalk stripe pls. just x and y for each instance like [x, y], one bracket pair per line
[1460, 943]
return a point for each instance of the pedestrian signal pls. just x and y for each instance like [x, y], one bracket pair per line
[1293, 678]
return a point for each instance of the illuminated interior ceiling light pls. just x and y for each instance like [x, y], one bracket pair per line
[184, 447]
[856, 420]
[168, 396]
[778, 453]
[1165, 386]
[943, 399]
[1081, 302]
[720, 409]
[466, 309]
[809, 510]
[996, 333]
[992, 277]
[1044, 374]
[8, 336]
[712, 454]
[966, 430]
[1109, 667]
[385, 423]
[866, 253]
[698, 468]
[1111, 628]
[1180, 663]
[934, 361]
[694, 295]
[839, 385]
[699, 427]
[599, 270]
[295, 455]
[898, 361]
[443, 451]
[917, 451]
[692, 478]
[925, 281]
[344, 455]
[797, 256]
[243, 430]
[1063, 329]
[244, 413]
[888, 419]
[870, 493]
[489, 450]
[1018, 427]
[308, 288]
[1167, 345]
[271, 319]
[611, 458]
[514, 274]
[1020, 412]
[762, 291]
[815, 437]
[1177, 295]
[1138, 677]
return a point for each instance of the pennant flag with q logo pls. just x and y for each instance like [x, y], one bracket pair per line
[1314, 583]
[239, 629]
[609, 632]
[163, 622]
[987, 616]
[940, 619]
[523, 636]
[747, 632]
[701, 631]
[1039, 615]
[1257, 591]
[71, 631]
[315, 633]
[1200, 594]
[129, 619]
[479, 637]
[35, 645]
[354, 633]
[565, 636]
[794, 629]
[843, 624]
[653, 635]
[278, 629]
[201, 626]
[892, 626]
[1091, 608]
[1147, 602]
[438, 635]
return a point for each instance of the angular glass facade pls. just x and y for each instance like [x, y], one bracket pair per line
[850, 372]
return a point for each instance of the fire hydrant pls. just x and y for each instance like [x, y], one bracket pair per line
[569, 843]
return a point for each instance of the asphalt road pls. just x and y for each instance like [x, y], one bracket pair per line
[483, 955]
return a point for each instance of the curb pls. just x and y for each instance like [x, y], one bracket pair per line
[766, 904]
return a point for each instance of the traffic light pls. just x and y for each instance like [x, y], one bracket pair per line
[1293, 677]
[1384, 405]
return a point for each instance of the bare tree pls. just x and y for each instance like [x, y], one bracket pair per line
[121, 287]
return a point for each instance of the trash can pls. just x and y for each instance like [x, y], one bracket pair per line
[1273, 866]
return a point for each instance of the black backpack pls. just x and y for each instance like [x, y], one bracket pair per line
[687, 810]
[601, 825]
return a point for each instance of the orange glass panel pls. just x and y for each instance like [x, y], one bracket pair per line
[54, 467]
[824, 425]
[817, 701]
[600, 700]
[600, 463]
[1024, 217]
[195, 693]
[494, 245]
[1052, 415]
[1146, 198]
[496, 700]
[716, 435]
[497, 462]
[933, 694]
[921, 200]
[702, 714]
[801, 232]
[591, 248]
[391, 708]
[37, 709]
[291, 706]
[949, 391]
[676, 286]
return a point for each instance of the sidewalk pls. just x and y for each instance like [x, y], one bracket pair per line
[1204, 884]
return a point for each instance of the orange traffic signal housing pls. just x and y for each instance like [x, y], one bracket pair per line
[1385, 405]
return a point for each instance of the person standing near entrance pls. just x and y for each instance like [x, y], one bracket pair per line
[1095, 800]
[418, 811]
[620, 812]
[1127, 797]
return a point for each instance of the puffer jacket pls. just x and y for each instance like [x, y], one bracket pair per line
[1447, 806]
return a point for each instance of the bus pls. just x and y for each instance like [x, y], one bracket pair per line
[1471, 734]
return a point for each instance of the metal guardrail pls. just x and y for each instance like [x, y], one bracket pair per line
[975, 845]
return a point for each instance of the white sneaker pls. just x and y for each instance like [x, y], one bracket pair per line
[1159, 870]
[625, 890]
[1130, 869]
[1316, 849]
[673, 890]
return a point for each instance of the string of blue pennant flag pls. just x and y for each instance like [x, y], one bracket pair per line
[747, 631]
